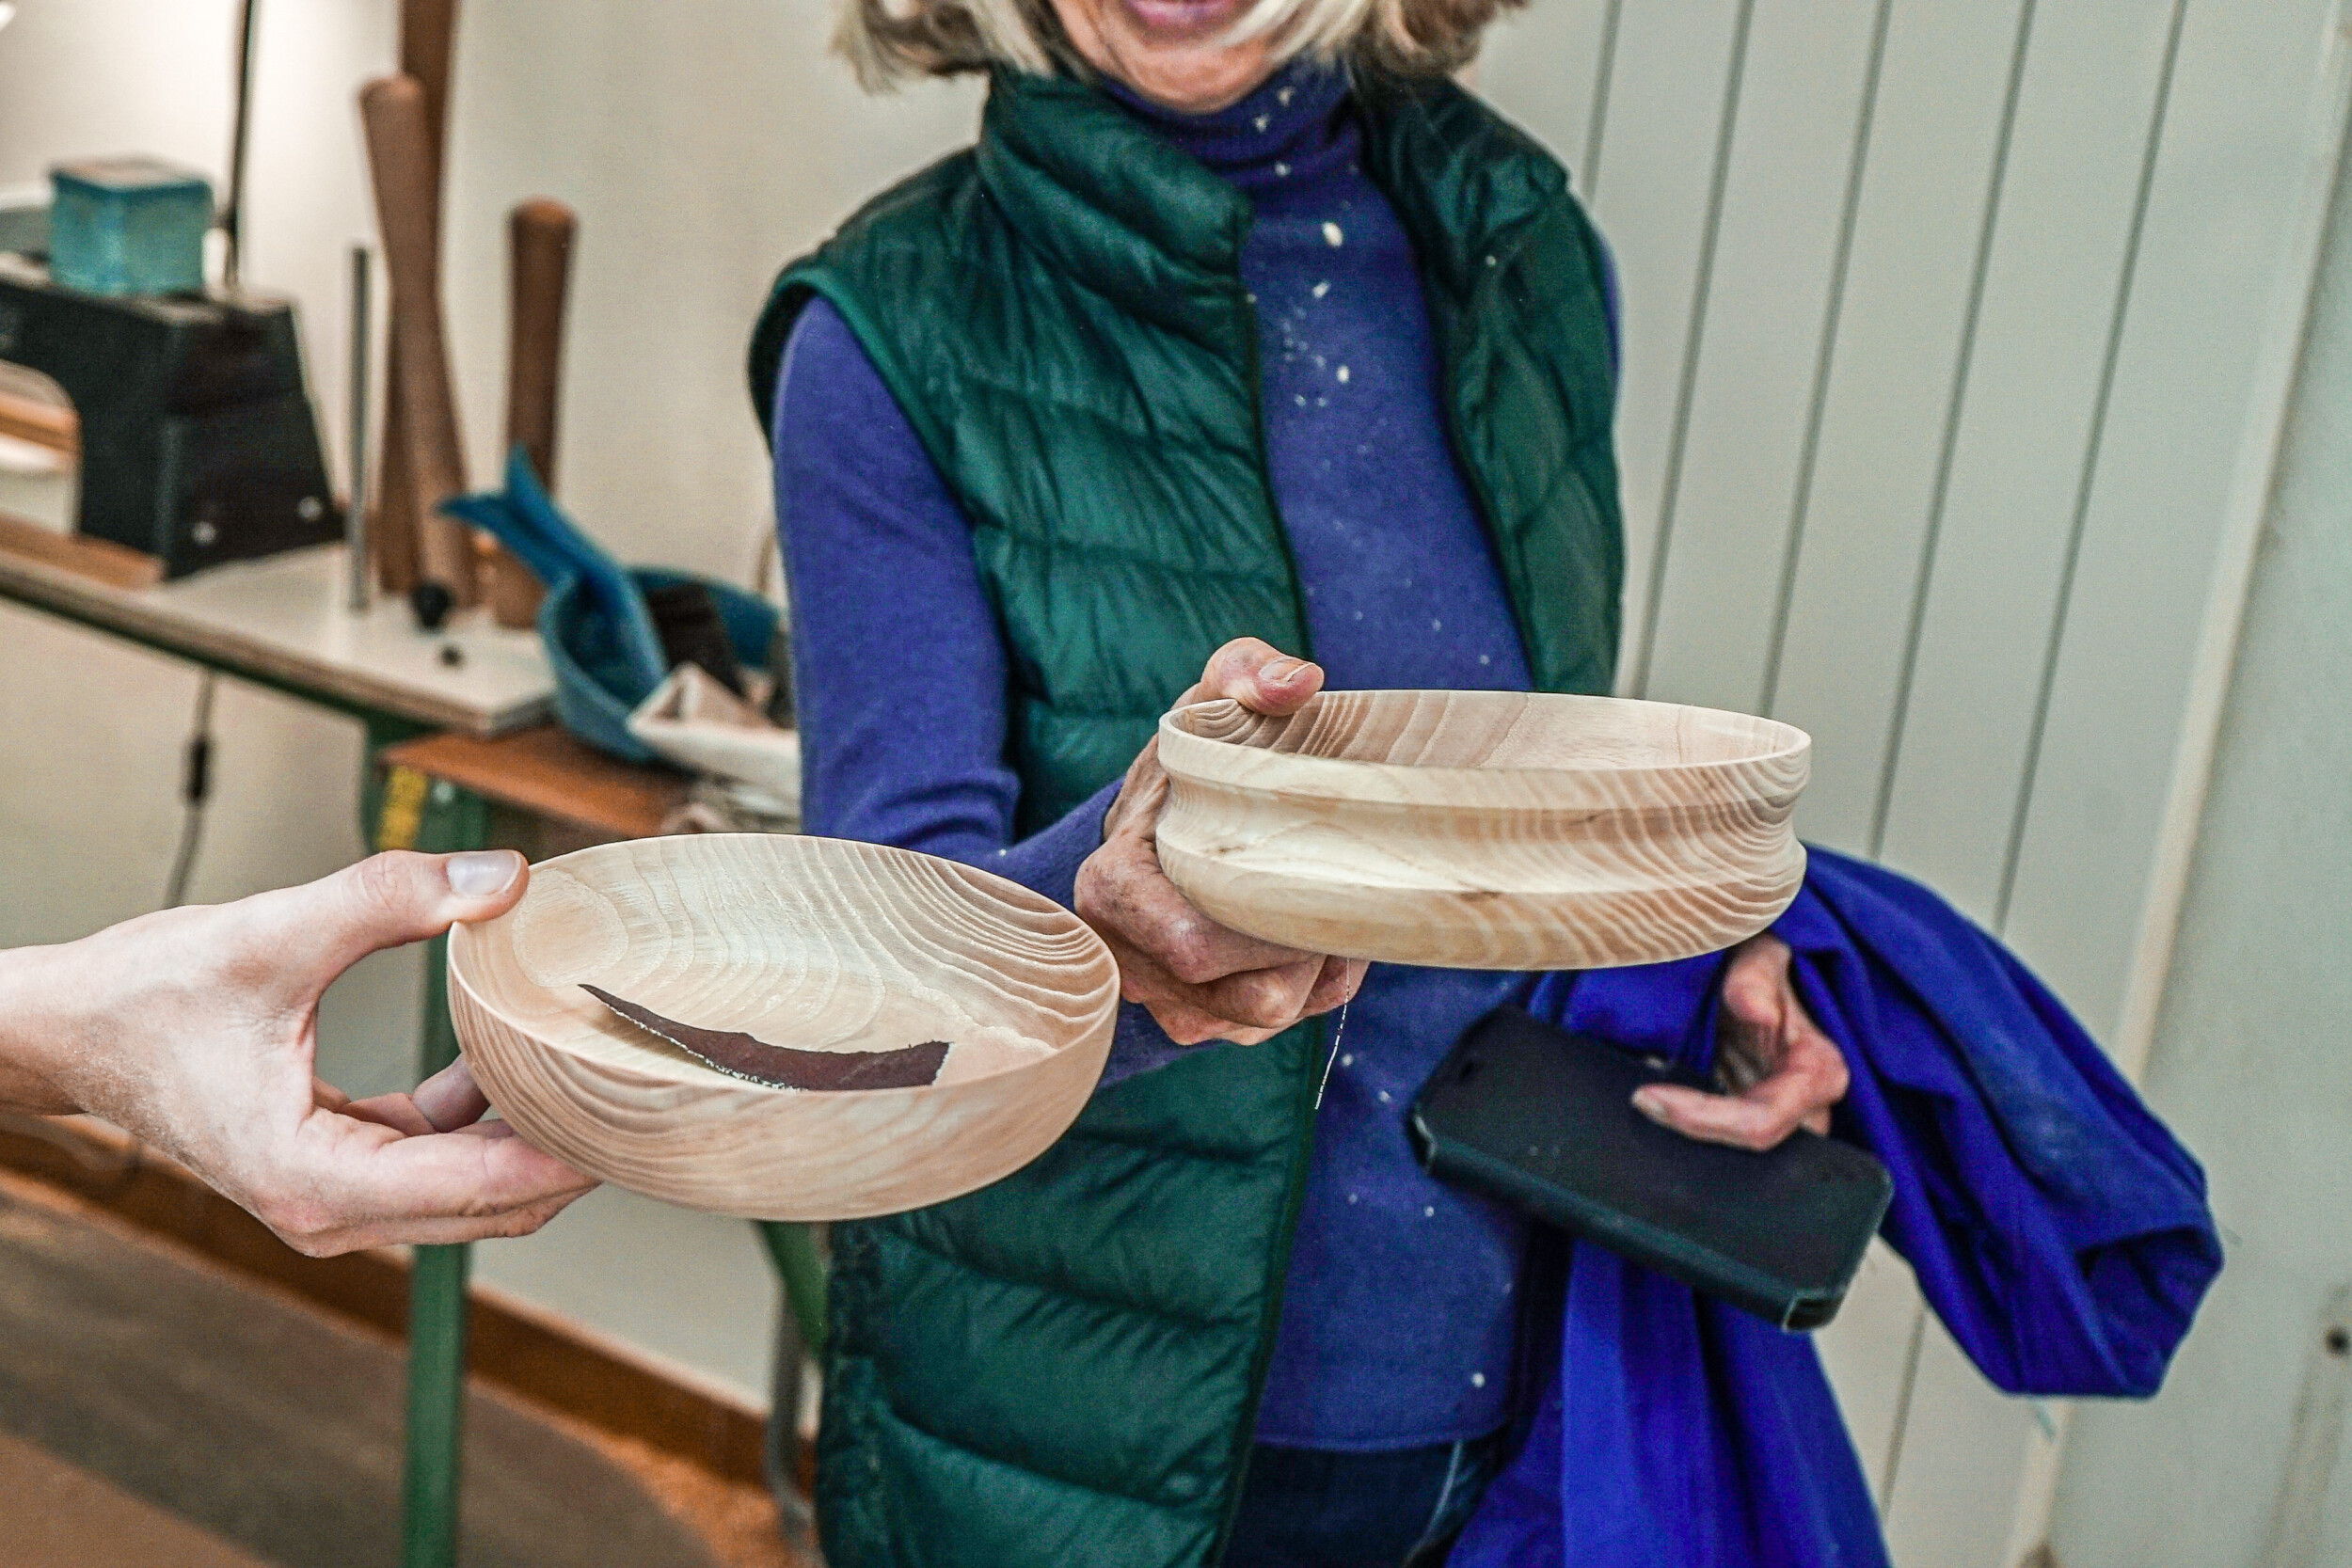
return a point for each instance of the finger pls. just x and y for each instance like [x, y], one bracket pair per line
[1273, 998]
[1811, 1078]
[1336, 985]
[451, 1098]
[1259, 675]
[395, 1111]
[1175, 1006]
[1816, 1071]
[1125, 891]
[1187, 1025]
[318, 930]
[1136, 808]
[1740, 1120]
[1263, 1001]
[439, 1232]
[434, 1187]
[1755, 984]
[326, 1097]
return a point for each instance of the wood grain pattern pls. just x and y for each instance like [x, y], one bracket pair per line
[1484, 829]
[407, 200]
[814, 943]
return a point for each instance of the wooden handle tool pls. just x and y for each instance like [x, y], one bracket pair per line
[400, 157]
[428, 30]
[540, 235]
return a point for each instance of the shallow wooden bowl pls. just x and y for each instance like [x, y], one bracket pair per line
[1484, 829]
[806, 942]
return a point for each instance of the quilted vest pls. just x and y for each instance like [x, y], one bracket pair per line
[1064, 1367]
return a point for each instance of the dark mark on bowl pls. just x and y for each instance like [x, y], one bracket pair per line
[748, 1057]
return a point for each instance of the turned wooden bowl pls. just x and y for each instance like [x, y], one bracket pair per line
[1484, 829]
[810, 944]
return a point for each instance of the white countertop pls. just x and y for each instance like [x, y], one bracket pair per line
[283, 619]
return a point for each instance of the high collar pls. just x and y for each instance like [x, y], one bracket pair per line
[1126, 211]
[1120, 209]
[1291, 128]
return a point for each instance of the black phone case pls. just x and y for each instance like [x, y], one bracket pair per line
[1542, 1118]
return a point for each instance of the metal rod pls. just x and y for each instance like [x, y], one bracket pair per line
[233, 211]
[356, 513]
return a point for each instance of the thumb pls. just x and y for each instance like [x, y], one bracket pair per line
[390, 900]
[1260, 677]
[1753, 985]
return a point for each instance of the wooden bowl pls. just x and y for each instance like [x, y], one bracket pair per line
[1484, 829]
[806, 942]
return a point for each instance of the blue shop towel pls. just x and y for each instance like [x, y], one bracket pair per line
[2057, 1229]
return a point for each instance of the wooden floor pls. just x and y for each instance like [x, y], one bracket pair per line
[155, 1408]
[61, 1516]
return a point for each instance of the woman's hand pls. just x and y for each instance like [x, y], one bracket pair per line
[1201, 980]
[195, 1030]
[1779, 1071]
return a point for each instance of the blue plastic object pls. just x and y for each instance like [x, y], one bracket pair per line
[525, 520]
[128, 226]
[600, 640]
[592, 684]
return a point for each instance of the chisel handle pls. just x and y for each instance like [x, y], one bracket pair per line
[400, 157]
[540, 235]
[428, 36]
[539, 249]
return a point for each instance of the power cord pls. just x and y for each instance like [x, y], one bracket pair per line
[196, 788]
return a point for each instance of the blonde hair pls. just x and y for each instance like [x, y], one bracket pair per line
[887, 41]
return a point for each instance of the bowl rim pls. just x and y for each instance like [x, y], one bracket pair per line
[467, 936]
[1339, 777]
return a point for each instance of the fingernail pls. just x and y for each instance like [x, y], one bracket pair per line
[1650, 1104]
[480, 872]
[1281, 670]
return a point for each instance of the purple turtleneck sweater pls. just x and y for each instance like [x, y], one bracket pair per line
[1399, 1315]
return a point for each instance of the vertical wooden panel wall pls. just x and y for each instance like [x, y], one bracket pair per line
[1946, 333]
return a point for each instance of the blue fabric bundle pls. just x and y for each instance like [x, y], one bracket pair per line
[2057, 1229]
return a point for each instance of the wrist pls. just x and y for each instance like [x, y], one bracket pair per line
[37, 1038]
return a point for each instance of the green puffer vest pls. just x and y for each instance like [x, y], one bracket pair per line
[1064, 1367]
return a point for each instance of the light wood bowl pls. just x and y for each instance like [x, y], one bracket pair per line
[1484, 829]
[807, 942]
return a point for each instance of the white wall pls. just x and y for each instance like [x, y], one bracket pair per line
[2249, 1063]
[1951, 331]
[703, 142]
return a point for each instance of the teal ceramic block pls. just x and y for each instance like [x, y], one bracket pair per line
[128, 226]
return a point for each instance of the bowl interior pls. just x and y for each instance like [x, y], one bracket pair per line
[813, 943]
[1497, 730]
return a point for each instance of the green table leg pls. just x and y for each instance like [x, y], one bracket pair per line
[437, 1407]
[793, 1250]
[433, 816]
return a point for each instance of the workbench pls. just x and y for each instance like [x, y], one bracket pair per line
[283, 623]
